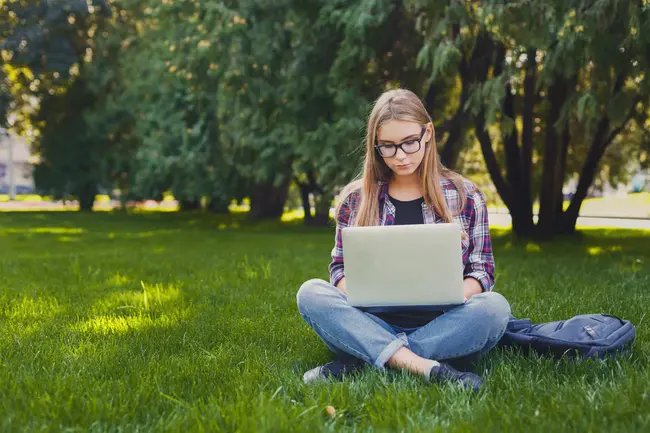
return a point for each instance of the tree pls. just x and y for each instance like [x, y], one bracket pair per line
[161, 77]
[557, 78]
[44, 48]
[69, 155]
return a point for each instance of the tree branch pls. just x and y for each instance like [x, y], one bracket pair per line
[511, 143]
[470, 72]
[612, 135]
[491, 162]
[586, 175]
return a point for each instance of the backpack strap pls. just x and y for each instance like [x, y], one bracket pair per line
[515, 324]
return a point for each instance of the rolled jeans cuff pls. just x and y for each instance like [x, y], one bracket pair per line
[389, 351]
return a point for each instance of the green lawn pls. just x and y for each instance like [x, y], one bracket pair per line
[168, 322]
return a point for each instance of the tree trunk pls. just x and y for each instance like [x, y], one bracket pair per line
[492, 164]
[267, 200]
[522, 221]
[304, 196]
[189, 205]
[323, 205]
[587, 175]
[602, 139]
[528, 121]
[430, 98]
[219, 205]
[511, 146]
[86, 197]
[450, 152]
[551, 176]
[564, 151]
[521, 210]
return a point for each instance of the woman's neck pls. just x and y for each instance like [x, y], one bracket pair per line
[410, 181]
[405, 187]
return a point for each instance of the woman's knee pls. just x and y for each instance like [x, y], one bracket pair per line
[312, 294]
[493, 309]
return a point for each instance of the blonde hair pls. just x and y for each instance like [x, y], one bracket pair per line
[400, 104]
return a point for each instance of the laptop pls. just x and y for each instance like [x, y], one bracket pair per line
[403, 267]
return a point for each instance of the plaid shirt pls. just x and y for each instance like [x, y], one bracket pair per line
[478, 260]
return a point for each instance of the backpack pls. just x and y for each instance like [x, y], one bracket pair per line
[583, 336]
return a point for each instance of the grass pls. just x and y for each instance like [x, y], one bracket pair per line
[169, 322]
[635, 205]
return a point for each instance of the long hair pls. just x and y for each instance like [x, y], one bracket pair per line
[400, 104]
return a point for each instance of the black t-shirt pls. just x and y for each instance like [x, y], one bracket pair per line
[408, 212]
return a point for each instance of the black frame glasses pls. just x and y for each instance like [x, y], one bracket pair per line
[394, 147]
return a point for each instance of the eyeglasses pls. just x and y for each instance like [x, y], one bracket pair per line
[409, 146]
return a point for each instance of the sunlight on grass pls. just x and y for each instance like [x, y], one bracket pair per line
[141, 235]
[68, 239]
[231, 225]
[595, 251]
[108, 324]
[533, 247]
[119, 280]
[44, 307]
[293, 215]
[150, 296]
[252, 271]
[132, 309]
[46, 230]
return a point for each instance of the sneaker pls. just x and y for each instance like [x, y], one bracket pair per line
[446, 373]
[333, 369]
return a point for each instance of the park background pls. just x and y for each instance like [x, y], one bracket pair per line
[210, 138]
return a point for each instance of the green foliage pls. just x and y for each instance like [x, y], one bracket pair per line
[220, 99]
[166, 101]
[44, 46]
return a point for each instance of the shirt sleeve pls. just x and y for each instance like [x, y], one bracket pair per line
[336, 266]
[480, 261]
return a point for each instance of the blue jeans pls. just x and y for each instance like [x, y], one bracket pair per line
[472, 328]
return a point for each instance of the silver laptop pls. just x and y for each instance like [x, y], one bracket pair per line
[403, 266]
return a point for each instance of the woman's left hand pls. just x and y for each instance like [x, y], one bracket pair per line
[471, 287]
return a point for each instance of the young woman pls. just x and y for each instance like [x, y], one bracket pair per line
[403, 182]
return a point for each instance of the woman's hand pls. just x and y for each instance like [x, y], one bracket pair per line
[341, 286]
[471, 287]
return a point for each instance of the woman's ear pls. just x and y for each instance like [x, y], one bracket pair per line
[430, 133]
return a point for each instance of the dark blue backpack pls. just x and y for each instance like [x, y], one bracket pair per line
[583, 336]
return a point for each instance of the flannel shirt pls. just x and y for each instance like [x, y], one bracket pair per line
[478, 260]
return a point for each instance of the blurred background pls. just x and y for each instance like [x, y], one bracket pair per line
[259, 106]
